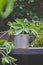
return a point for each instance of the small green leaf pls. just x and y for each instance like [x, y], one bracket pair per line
[2, 41]
[26, 30]
[35, 44]
[19, 31]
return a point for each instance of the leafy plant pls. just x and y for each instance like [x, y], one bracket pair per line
[39, 39]
[22, 26]
[9, 47]
[19, 27]
[9, 5]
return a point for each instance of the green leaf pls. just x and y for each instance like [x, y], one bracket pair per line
[4, 60]
[33, 26]
[35, 44]
[2, 41]
[9, 7]
[2, 4]
[11, 31]
[9, 47]
[11, 59]
[34, 32]
[20, 21]
[19, 31]
[41, 27]
[26, 30]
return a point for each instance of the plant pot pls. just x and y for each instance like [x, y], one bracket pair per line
[21, 41]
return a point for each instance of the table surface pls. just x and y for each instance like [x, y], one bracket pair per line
[30, 51]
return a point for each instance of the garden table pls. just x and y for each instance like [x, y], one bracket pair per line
[30, 56]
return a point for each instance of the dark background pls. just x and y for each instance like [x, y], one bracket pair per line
[28, 59]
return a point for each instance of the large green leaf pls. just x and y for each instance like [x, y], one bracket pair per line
[9, 7]
[2, 4]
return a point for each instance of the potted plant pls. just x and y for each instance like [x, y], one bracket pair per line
[22, 29]
[5, 48]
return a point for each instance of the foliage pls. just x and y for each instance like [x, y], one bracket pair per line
[22, 8]
[25, 9]
[9, 47]
[8, 5]
[19, 27]
[22, 26]
[39, 39]
[1, 42]
[35, 44]
[8, 59]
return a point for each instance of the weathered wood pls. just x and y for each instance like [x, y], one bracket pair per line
[4, 35]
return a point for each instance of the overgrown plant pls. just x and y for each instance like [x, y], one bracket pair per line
[22, 26]
[8, 47]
